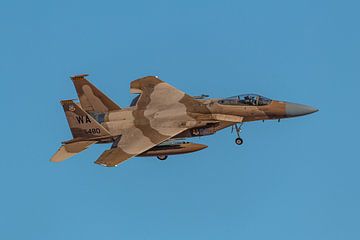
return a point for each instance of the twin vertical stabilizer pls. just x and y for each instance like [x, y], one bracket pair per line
[82, 124]
[92, 100]
[84, 128]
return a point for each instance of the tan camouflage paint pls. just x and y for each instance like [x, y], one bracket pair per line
[68, 150]
[161, 113]
[82, 124]
[91, 98]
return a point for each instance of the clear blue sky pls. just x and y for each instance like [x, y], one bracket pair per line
[298, 179]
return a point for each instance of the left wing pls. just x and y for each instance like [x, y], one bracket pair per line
[133, 142]
[161, 113]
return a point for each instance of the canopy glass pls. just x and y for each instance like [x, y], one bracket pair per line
[246, 99]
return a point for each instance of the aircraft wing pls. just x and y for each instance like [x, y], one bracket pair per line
[132, 143]
[162, 112]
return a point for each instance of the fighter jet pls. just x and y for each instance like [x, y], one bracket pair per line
[158, 119]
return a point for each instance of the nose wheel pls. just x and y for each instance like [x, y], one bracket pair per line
[162, 157]
[238, 140]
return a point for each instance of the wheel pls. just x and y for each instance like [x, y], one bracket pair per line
[196, 132]
[162, 158]
[239, 141]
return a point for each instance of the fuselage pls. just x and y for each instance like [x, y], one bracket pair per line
[158, 119]
[210, 116]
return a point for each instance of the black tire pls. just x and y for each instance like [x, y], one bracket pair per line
[239, 141]
[162, 158]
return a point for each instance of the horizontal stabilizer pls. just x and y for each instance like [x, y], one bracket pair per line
[70, 149]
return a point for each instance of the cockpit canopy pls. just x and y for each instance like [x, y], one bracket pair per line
[246, 99]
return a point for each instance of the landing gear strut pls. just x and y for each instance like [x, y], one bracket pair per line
[162, 157]
[238, 140]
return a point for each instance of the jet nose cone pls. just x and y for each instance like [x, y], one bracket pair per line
[294, 109]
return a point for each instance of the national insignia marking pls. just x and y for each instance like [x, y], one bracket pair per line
[72, 108]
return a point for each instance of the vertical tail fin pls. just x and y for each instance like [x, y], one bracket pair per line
[92, 100]
[81, 124]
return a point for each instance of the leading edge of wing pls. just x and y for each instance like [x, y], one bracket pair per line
[113, 157]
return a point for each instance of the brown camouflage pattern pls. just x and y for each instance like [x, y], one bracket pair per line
[91, 98]
[162, 112]
[81, 124]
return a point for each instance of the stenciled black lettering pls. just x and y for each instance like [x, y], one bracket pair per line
[80, 119]
[93, 131]
[87, 119]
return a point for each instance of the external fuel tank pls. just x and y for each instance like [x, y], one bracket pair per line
[173, 148]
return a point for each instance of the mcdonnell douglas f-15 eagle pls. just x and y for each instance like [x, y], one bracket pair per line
[158, 119]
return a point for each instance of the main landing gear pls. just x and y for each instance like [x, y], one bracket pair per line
[238, 140]
[162, 157]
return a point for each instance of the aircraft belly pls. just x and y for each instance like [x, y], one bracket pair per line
[209, 129]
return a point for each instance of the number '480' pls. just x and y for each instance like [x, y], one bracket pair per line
[93, 131]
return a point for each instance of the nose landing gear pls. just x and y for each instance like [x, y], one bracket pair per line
[238, 140]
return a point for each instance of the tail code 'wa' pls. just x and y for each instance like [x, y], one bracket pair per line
[81, 124]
